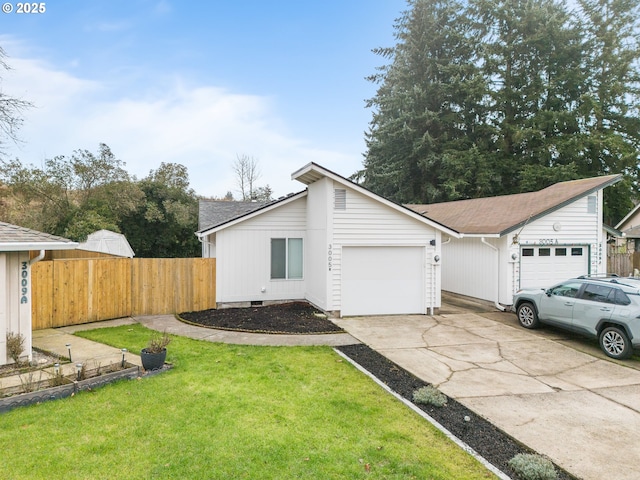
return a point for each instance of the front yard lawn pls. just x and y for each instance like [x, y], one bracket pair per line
[229, 412]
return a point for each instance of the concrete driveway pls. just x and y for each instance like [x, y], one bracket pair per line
[553, 392]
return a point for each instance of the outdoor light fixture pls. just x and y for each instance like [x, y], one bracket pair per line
[78, 370]
[124, 351]
[436, 258]
[514, 256]
[56, 369]
[69, 350]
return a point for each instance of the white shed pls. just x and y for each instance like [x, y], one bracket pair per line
[106, 241]
[336, 245]
[525, 240]
[15, 279]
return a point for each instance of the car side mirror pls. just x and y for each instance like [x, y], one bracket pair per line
[548, 292]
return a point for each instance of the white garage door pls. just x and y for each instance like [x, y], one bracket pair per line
[382, 280]
[544, 266]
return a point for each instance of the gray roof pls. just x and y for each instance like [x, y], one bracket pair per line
[215, 212]
[14, 238]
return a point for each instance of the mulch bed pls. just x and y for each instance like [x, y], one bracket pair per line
[301, 318]
[285, 318]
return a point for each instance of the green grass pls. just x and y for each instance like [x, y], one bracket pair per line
[229, 412]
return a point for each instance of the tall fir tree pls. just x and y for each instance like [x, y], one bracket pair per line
[489, 97]
[418, 108]
[610, 104]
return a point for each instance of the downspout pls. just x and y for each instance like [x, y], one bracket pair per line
[434, 264]
[496, 303]
[201, 239]
[38, 258]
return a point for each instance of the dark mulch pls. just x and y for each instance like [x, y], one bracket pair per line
[298, 318]
[490, 442]
[285, 318]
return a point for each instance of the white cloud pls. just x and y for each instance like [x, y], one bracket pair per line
[201, 127]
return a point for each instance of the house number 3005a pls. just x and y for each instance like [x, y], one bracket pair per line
[24, 274]
[330, 256]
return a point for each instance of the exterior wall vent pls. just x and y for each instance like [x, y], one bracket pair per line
[339, 199]
[591, 204]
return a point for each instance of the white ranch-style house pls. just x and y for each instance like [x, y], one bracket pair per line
[336, 244]
[525, 240]
[352, 252]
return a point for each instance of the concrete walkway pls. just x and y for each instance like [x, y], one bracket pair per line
[55, 340]
[176, 327]
[577, 407]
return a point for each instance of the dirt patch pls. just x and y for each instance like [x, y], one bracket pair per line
[286, 318]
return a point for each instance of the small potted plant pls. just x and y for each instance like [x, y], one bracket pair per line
[154, 354]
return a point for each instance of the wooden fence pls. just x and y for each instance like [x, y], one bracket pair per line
[623, 264]
[70, 292]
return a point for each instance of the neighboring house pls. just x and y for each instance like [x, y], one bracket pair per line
[524, 240]
[335, 244]
[630, 228]
[106, 241]
[15, 279]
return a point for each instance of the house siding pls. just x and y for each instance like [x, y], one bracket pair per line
[471, 268]
[15, 299]
[365, 222]
[244, 256]
[474, 269]
[318, 252]
[577, 227]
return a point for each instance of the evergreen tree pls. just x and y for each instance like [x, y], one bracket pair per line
[421, 107]
[530, 55]
[610, 105]
[489, 97]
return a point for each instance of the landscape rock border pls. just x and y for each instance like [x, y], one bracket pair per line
[487, 440]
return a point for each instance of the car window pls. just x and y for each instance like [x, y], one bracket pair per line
[621, 297]
[598, 293]
[566, 289]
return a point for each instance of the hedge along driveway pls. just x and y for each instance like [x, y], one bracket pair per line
[228, 411]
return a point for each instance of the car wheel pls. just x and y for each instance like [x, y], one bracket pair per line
[527, 315]
[615, 343]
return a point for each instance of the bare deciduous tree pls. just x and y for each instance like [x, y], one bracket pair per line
[10, 110]
[247, 174]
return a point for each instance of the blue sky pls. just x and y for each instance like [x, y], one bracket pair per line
[199, 83]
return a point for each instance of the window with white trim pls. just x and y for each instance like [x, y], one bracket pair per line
[286, 258]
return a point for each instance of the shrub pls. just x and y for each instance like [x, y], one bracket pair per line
[15, 346]
[430, 395]
[158, 342]
[532, 467]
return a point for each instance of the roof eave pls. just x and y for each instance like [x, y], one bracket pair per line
[569, 201]
[313, 172]
[481, 235]
[28, 246]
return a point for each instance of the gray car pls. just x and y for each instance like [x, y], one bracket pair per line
[605, 308]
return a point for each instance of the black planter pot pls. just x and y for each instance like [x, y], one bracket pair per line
[153, 361]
